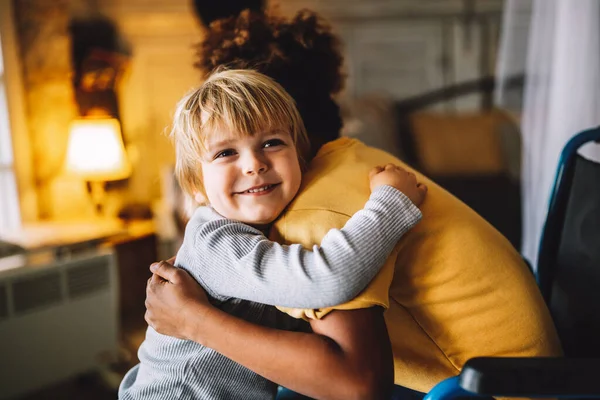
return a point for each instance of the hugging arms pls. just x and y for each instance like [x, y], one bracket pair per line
[348, 354]
[345, 345]
[455, 289]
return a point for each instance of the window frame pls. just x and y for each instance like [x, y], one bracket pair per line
[23, 202]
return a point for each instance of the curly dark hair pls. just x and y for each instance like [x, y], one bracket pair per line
[301, 54]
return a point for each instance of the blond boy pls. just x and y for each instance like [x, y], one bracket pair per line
[240, 143]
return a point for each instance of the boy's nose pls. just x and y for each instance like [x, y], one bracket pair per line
[254, 164]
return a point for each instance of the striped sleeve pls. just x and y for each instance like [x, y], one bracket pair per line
[231, 259]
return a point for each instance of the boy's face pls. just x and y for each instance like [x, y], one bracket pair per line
[251, 179]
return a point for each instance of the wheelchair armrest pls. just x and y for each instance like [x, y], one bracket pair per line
[531, 377]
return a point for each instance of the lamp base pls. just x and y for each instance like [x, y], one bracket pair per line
[97, 192]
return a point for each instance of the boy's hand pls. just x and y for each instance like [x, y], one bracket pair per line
[401, 179]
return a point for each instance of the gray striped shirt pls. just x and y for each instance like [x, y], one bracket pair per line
[246, 274]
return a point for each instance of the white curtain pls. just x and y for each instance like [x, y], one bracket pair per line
[556, 44]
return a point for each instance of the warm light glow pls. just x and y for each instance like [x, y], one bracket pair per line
[96, 151]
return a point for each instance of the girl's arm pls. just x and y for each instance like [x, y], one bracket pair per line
[231, 259]
[348, 355]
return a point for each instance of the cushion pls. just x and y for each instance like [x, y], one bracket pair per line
[463, 144]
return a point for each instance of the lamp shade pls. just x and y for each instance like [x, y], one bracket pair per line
[95, 151]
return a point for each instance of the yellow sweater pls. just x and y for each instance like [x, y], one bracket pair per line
[457, 288]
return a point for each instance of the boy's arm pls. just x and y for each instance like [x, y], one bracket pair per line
[234, 260]
[348, 355]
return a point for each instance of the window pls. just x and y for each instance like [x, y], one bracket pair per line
[9, 199]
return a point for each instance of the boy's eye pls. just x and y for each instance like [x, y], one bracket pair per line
[273, 142]
[225, 153]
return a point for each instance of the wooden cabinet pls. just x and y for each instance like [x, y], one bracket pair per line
[135, 253]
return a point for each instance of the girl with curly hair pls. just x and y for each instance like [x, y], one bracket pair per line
[453, 289]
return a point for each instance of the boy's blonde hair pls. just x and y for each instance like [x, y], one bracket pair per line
[243, 102]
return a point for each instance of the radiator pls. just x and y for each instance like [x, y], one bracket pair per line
[57, 320]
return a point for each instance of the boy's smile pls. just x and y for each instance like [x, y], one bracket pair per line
[251, 178]
[259, 190]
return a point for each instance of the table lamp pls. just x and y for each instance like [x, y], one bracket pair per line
[96, 153]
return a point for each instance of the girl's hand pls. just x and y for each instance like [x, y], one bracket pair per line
[171, 295]
[401, 179]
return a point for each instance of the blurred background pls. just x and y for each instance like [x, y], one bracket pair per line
[479, 95]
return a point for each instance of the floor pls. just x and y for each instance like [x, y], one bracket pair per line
[88, 387]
